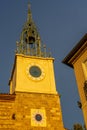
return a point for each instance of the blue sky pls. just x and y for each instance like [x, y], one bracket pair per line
[61, 25]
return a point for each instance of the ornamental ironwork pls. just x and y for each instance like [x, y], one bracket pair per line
[30, 41]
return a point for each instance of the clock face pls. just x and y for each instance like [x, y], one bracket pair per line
[38, 117]
[35, 71]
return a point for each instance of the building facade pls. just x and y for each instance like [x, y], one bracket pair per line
[77, 59]
[33, 102]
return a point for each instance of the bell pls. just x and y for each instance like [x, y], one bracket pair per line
[31, 39]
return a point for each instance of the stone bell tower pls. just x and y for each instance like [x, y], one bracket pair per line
[37, 103]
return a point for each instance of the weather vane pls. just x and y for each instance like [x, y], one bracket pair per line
[29, 5]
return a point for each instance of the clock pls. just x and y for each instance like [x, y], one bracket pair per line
[35, 72]
[38, 117]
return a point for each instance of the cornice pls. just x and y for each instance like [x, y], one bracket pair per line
[76, 52]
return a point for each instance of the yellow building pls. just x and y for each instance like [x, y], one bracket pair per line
[33, 102]
[77, 59]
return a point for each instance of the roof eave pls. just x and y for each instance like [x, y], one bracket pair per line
[74, 51]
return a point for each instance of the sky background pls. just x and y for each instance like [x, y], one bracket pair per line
[61, 24]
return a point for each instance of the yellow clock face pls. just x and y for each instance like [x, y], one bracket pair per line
[38, 117]
[35, 72]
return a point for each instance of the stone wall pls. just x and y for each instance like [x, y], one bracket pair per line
[15, 113]
[6, 111]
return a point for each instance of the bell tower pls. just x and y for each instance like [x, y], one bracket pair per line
[33, 66]
[37, 103]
